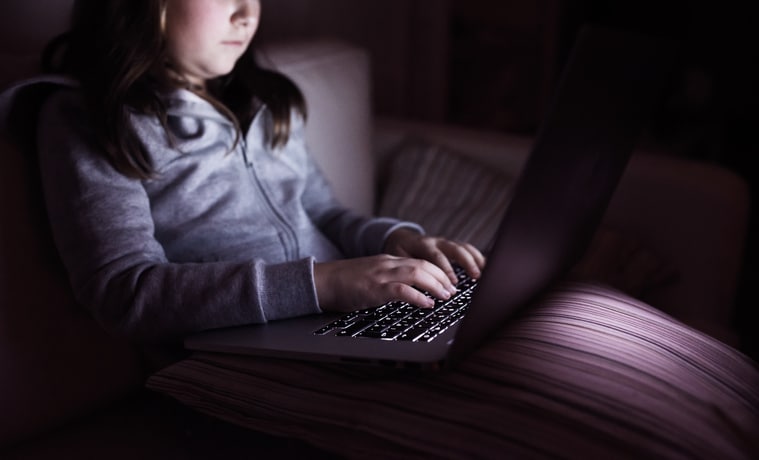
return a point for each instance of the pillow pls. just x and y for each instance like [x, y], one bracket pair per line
[585, 372]
[453, 196]
[444, 192]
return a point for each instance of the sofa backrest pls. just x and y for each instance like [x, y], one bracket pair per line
[56, 363]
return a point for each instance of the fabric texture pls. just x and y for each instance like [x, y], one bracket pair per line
[585, 372]
[453, 196]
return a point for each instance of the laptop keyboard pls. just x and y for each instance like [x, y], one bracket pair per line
[403, 321]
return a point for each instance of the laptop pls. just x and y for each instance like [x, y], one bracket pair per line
[608, 88]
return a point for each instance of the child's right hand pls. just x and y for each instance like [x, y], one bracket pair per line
[352, 284]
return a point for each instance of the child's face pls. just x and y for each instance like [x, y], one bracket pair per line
[205, 38]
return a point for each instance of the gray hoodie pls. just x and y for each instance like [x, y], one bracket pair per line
[221, 236]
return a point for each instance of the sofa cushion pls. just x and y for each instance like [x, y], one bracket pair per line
[447, 193]
[584, 372]
[452, 195]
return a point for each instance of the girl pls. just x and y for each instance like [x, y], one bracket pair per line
[181, 194]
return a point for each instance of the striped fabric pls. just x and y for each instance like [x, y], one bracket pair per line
[586, 372]
[445, 193]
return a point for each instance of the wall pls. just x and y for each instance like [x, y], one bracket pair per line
[504, 61]
[15, 18]
[407, 39]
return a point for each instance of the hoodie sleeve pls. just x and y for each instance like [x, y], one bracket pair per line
[101, 221]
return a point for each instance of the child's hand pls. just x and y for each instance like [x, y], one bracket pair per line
[351, 284]
[439, 251]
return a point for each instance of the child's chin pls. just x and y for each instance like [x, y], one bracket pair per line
[222, 72]
[226, 70]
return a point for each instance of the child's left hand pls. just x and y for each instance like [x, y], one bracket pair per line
[440, 251]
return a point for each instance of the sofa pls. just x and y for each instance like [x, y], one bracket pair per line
[67, 389]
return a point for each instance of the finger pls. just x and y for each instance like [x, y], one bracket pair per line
[465, 255]
[406, 293]
[427, 277]
[473, 260]
[443, 261]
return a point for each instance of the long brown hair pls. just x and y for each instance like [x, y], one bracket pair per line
[116, 50]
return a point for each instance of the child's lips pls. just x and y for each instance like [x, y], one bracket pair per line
[238, 39]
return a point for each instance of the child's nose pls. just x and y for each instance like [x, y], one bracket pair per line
[247, 12]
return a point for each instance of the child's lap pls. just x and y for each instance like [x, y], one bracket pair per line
[585, 372]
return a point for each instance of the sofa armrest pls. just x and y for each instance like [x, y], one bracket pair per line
[695, 215]
[692, 215]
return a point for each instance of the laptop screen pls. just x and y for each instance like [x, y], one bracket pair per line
[608, 88]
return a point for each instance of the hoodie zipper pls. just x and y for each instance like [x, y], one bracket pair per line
[286, 232]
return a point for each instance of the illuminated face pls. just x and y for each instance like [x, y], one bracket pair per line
[205, 38]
